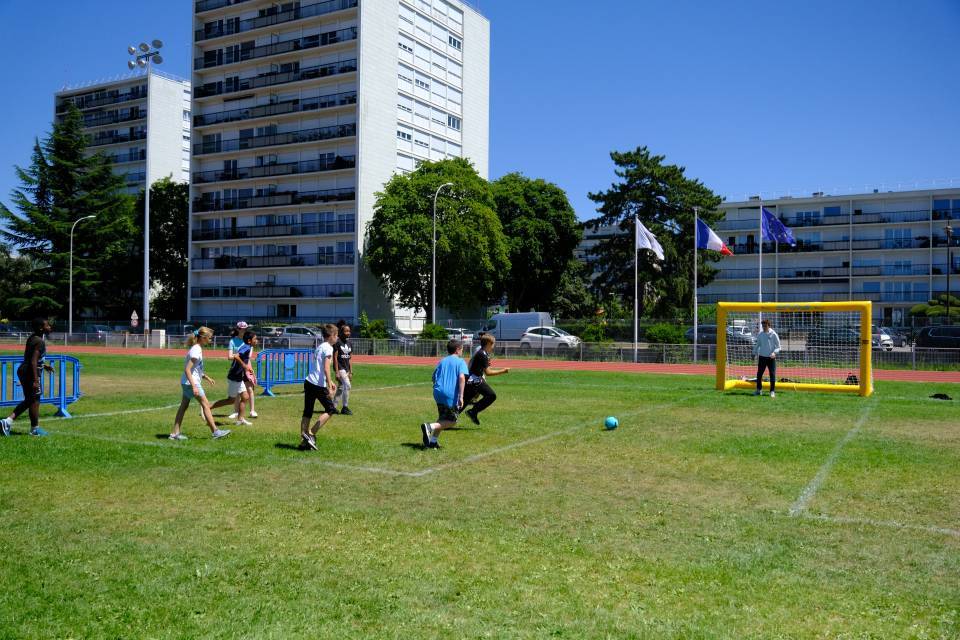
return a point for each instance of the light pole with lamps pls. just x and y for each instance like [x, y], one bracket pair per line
[949, 231]
[70, 311]
[433, 270]
[144, 56]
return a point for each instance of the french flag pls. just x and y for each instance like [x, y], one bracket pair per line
[707, 239]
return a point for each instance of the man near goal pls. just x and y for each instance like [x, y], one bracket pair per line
[766, 349]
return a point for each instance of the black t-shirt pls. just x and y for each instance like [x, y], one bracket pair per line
[479, 363]
[341, 355]
[35, 343]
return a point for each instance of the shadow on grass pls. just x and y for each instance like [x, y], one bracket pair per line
[287, 446]
[415, 445]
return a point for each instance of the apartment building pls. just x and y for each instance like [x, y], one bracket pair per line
[301, 112]
[125, 115]
[890, 248]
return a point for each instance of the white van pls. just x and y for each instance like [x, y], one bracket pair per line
[511, 326]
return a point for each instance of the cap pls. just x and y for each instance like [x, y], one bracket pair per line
[242, 325]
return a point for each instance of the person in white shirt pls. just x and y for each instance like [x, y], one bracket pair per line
[191, 385]
[766, 349]
[319, 385]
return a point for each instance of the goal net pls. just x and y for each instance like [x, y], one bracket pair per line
[824, 346]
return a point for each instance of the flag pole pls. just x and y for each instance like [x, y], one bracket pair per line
[696, 315]
[636, 254]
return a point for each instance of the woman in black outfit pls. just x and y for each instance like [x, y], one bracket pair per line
[29, 375]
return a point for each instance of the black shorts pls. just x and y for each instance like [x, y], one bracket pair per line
[447, 414]
[312, 393]
[26, 384]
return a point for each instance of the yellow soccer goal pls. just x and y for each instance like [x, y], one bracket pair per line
[824, 346]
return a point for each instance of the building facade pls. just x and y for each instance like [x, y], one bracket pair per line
[301, 112]
[890, 248]
[125, 116]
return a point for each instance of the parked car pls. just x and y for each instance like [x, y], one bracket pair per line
[9, 331]
[101, 330]
[834, 341]
[269, 331]
[707, 334]
[880, 339]
[511, 326]
[939, 337]
[548, 339]
[463, 335]
[297, 336]
[399, 336]
[899, 338]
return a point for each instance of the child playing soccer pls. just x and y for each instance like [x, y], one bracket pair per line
[28, 373]
[477, 381]
[449, 379]
[341, 362]
[235, 343]
[319, 385]
[191, 385]
[237, 385]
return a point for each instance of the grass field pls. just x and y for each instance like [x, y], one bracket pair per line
[705, 515]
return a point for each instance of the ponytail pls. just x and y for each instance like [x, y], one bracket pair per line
[206, 332]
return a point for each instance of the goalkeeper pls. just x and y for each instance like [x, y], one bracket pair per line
[766, 349]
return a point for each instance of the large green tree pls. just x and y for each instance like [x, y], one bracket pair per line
[572, 297]
[61, 185]
[542, 231]
[15, 294]
[472, 253]
[663, 198]
[169, 223]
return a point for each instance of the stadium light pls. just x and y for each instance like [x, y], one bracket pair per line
[433, 270]
[146, 57]
[949, 231]
[70, 311]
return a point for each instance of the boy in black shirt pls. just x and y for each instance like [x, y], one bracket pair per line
[341, 362]
[476, 381]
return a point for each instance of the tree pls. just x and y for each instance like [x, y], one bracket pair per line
[169, 226]
[571, 296]
[663, 198]
[60, 186]
[542, 231]
[15, 298]
[472, 253]
[936, 307]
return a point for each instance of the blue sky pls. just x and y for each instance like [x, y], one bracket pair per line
[749, 96]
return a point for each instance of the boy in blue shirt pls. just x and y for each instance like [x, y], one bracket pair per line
[449, 379]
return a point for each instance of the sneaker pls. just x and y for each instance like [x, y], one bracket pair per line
[5, 424]
[773, 394]
[756, 393]
[37, 431]
[433, 444]
[472, 414]
[345, 411]
[178, 436]
[221, 433]
[310, 440]
[427, 434]
[243, 423]
[254, 414]
[333, 411]
[232, 416]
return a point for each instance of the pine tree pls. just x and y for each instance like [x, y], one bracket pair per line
[61, 185]
[169, 221]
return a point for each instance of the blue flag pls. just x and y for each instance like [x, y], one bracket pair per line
[776, 231]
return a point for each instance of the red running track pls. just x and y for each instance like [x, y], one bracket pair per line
[898, 375]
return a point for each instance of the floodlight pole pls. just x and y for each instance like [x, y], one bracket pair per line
[70, 310]
[949, 231]
[433, 267]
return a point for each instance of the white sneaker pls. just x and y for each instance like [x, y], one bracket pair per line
[179, 436]
[221, 433]
[253, 414]
[756, 393]
[232, 416]
[243, 423]
[773, 394]
[5, 425]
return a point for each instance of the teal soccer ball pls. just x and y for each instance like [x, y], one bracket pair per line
[611, 423]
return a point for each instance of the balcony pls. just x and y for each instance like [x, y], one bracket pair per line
[259, 262]
[274, 139]
[89, 101]
[210, 5]
[230, 27]
[282, 169]
[115, 138]
[121, 158]
[864, 244]
[216, 58]
[277, 108]
[275, 291]
[277, 199]
[275, 230]
[135, 177]
[114, 118]
[912, 297]
[275, 78]
[890, 217]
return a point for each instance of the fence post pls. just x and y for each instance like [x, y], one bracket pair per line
[664, 347]
[62, 383]
[913, 356]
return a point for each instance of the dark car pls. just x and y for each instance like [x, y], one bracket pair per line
[707, 334]
[833, 341]
[939, 337]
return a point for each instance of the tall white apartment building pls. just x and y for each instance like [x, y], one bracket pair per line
[123, 116]
[890, 248]
[302, 111]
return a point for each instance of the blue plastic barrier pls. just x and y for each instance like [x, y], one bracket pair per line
[60, 386]
[283, 366]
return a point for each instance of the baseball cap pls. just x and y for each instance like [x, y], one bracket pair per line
[242, 325]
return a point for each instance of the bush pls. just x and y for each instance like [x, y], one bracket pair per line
[376, 330]
[595, 332]
[664, 333]
[433, 331]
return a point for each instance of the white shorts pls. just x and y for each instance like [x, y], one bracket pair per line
[235, 388]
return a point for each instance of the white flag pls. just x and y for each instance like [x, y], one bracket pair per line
[646, 240]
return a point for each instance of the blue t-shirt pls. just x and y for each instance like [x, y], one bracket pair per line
[446, 378]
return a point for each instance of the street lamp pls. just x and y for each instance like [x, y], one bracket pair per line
[70, 311]
[144, 56]
[433, 270]
[949, 231]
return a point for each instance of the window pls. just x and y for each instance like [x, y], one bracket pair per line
[422, 84]
[404, 107]
[403, 135]
[453, 122]
[455, 43]
[404, 78]
[406, 47]
[186, 114]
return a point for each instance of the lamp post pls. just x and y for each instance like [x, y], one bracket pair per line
[949, 231]
[145, 55]
[70, 310]
[433, 268]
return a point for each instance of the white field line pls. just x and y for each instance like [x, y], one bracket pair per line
[891, 524]
[800, 506]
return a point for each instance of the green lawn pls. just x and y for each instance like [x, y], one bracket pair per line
[539, 524]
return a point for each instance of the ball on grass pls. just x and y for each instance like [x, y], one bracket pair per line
[611, 423]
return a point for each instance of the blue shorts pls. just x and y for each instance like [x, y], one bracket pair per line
[188, 391]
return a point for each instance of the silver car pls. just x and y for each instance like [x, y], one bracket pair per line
[547, 339]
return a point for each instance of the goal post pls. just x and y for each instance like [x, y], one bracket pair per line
[825, 346]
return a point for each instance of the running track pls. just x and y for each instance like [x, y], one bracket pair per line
[900, 375]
